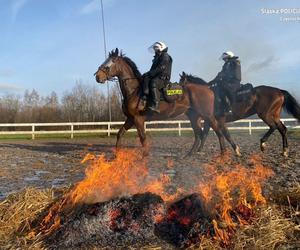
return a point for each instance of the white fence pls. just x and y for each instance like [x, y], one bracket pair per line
[34, 129]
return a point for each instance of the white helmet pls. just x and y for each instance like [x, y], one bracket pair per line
[157, 46]
[227, 54]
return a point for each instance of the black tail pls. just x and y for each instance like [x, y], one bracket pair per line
[291, 105]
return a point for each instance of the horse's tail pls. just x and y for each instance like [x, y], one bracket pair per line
[291, 105]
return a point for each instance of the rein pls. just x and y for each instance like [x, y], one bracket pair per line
[123, 82]
[125, 85]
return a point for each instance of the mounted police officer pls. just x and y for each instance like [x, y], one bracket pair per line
[158, 75]
[228, 80]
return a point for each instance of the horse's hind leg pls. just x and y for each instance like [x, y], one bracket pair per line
[127, 125]
[215, 126]
[203, 135]
[227, 135]
[195, 120]
[283, 130]
[139, 122]
[266, 136]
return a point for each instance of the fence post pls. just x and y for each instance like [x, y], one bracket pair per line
[32, 130]
[250, 128]
[179, 128]
[108, 129]
[145, 126]
[72, 131]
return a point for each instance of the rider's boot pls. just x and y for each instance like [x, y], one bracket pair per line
[227, 106]
[154, 107]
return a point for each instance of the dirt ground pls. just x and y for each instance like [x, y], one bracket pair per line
[54, 163]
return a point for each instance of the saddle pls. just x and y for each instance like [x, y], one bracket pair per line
[241, 95]
[244, 93]
[171, 92]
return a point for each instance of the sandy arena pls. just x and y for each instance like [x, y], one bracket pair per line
[56, 162]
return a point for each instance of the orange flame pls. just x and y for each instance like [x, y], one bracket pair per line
[230, 190]
[233, 192]
[127, 174]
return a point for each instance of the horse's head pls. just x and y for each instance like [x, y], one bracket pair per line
[108, 69]
[183, 78]
[189, 78]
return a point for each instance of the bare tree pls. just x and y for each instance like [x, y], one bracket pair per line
[83, 103]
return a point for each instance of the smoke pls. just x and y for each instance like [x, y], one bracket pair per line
[257, 66]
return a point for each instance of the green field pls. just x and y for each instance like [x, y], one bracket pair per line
[292, 132]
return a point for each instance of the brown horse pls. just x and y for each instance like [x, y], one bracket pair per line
[197, 101]
[267, 102]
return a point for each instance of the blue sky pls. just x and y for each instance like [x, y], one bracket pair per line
[50, 44]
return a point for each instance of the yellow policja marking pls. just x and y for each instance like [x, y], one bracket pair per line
[174, 92]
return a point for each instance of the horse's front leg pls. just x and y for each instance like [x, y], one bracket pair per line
[139, 122]
[126, 126]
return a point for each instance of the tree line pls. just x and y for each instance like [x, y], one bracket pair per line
[83, 103]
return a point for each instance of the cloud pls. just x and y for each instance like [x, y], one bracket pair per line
[16, 7]
[94, 5]
[9, 87]
[257, 66]
[6, 73]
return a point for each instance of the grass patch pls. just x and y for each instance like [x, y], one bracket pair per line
[294, 133]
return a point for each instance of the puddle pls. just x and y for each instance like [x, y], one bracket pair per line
[41, 172]
[31, 178]
[58, 182]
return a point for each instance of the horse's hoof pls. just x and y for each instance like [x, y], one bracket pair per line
[263, 146]
[285, 152]
[238, 151]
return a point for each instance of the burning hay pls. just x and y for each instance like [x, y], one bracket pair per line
[115, 223]
[119, 204]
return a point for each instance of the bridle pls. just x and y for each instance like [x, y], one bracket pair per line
[105, 71]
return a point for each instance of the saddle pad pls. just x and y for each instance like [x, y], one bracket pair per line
[244, 92]
[172, 92]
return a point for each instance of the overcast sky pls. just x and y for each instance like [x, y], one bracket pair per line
[50, 44]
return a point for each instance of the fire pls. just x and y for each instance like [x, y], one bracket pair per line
[232, 193]
[125, 175]
[229, 191]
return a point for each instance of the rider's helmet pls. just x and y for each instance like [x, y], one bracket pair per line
[157, 47]
[227, 55]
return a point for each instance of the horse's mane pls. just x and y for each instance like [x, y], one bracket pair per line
[133, 66]
[195, 79]
[136, 72]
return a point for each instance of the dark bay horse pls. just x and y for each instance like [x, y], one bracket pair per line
[267, 102]
[197, 101]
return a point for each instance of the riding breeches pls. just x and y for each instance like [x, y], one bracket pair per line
[152, 83]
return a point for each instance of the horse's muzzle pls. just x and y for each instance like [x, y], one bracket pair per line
[98, 80]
